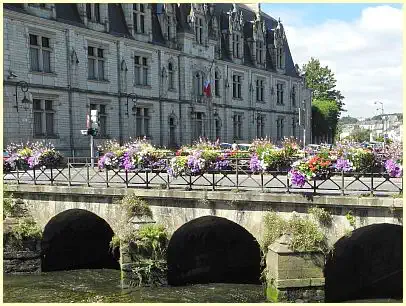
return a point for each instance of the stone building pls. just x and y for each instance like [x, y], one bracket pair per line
[145, 68]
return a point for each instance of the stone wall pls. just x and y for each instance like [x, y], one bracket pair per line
[22, 258]
[173, 208]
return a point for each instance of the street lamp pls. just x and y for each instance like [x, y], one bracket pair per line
[24, 88]
[133, 98]
[383, 123]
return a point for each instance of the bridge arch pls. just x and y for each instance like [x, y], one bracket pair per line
[77, 239]
[367, 264]
[212, 249]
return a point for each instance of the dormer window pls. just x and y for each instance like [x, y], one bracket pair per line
[236, 45]
[139, 18]
[260, 52]
[199, 30]
[93, 12]
[279, 56]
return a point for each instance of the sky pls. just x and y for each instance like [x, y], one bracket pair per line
[360, 43]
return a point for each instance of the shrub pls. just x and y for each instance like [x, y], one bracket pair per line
[133, 206]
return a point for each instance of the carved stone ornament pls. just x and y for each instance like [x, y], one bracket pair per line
[279, 33]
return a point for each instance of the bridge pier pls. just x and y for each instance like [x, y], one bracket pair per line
[293, 276]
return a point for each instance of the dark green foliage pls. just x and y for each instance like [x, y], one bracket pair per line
[134, 206]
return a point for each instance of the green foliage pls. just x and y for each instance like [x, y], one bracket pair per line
[133, 205]
[115, 242]
[325, 115]
[322, 81]
[26, 228]
[360, 135]
[348, 120]
[151, 272]
[322, 215]
[351, 218]
[151, 240]
[12, 207]
[361, 159]
[306, 235]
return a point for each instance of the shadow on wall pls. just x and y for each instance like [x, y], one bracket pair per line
[77, 239]
[213, 250]
[366, 265]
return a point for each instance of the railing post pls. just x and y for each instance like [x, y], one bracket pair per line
[314, 186]
[190, 180]
[236, 170]
[262, 181]
[107, 177]
[147, 179]
[35, 180]
[88, 174]
[287, 183]
[69, 175]
[126, 178]
[52, 177]
[342, 182]
[372, 181]
[214, 182]
[18, 175]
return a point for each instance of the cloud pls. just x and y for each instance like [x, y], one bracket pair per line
[365, 55]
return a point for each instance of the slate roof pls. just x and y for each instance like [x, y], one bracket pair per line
[68, 13]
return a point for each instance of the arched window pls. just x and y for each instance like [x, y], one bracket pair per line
[171, 77]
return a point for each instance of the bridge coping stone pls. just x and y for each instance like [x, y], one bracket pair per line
[248, 196]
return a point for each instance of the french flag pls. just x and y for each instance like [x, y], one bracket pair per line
[207, 88]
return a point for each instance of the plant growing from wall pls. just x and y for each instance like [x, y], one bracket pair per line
[322, 215]
[12, 207]
[25, 230]
[134, 206]
[351, 218]
[306, 234]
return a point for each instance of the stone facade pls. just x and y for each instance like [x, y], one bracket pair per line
[50, 46]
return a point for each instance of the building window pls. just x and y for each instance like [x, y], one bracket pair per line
[260, 126]
[198, 84]
[102, 118]
[279, 129]
[171, 78]
[237, 126]
[236, 45]
[237, 86]
[199, 30]
[199, 124]
[139, 18]
[260, 90]
[143, 121]
[40, 53]
[217, 124]
[141, 70]
[93, 12]
[294, 96]
[217, 84]
[279, 93]
[260, 52]
[172, 132]
[96, 59]
[44, 117]
[294, 127]
[279, 57]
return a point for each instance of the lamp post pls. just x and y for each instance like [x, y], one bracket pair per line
[133, 98]
[24, 88]
[383, 123]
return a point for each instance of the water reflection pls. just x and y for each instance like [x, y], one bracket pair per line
[104, 286]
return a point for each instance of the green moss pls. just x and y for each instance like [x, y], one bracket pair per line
[322, 215]
[272, 294]
[351, 218]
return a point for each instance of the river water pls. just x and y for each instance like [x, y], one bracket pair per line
[104, 286]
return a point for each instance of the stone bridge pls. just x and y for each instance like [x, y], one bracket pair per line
[81, 219]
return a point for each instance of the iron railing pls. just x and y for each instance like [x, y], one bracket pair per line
[79, 172]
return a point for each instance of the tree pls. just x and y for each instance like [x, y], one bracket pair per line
[327, 102]
[322, 81]
[324, 118]
[360, 135]
[348, 120]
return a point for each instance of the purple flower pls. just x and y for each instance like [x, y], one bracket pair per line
[222, 164]
[343, 165]
[393, 168]
[255, 164]
[297, 178]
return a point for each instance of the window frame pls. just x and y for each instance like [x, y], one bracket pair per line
[43, 113]
[237, 125]
[260, 90]
[139, 18]
[143, 118]
[40, 52]
[97, 60]
[279, 93]
[143, 67]
[237, 86]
